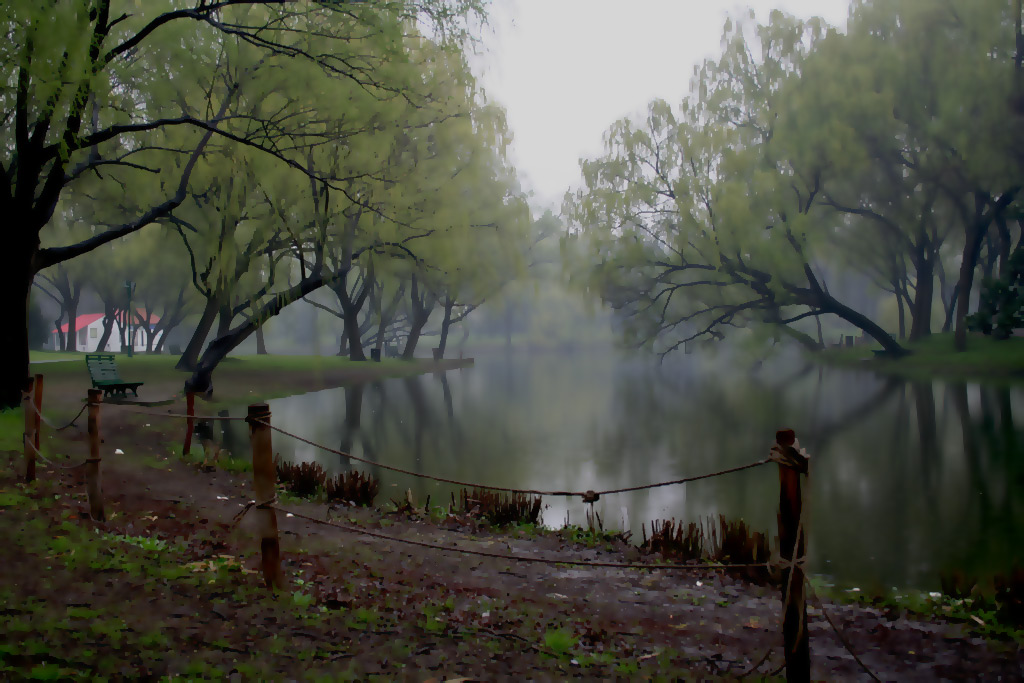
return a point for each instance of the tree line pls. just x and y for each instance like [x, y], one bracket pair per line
[892, 150]
[234, 157]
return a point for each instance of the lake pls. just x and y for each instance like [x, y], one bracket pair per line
[908, 479]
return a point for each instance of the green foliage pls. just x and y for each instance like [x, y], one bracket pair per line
[1001, 306]
[802, 152]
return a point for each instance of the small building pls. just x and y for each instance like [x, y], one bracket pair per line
[89, 328]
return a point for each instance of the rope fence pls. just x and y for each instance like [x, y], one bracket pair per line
[792, 461]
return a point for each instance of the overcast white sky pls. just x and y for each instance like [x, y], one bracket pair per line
[565, 70]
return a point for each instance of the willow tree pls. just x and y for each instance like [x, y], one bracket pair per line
[81, 79]
[909, 117]
[697, 221]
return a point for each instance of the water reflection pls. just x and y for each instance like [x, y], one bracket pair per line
[907, 478]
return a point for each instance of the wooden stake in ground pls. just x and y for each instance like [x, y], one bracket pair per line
[29, 438]
[793, 548]
[190, 410]
[92, 463]
[264, 486]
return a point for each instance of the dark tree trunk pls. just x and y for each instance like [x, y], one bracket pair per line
[174, 315]
[901, 315]
[972, 248]
[72, 338]
[190, 358]
[201, 380]
[446, 325]
[421, 308]
[60, 333]
[830, 305]
[261, 343]
[924, 295]
[352, 332]
[109, 314]
[984, 214]
[1003, 233]
[224, 319]
[409, 352]
[947, 325]
[15, 282]
[351, 306]
[147, 326]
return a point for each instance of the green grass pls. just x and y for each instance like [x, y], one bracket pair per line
[12, 425]
[934, 356]
[38, 355]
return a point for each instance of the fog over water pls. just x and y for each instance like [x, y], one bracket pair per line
[908, 479]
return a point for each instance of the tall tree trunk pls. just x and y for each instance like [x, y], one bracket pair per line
[261, 343]
[972, 248]
[984, 213]
[446, 324]
[1003, 234]
[901, 315]
[947, 324]
[190, 358]
[147, 326]
[408, 353]
[15, 282]
[224, 318]
[59, 346]
[352, 332]
[109, 314]
[72, 338]
[924, 295]
[350, 309]
[420, 313]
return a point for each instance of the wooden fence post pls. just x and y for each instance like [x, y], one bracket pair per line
[92, 463]
[29, 435]
[264, 488]
[793, 548]
[190, 410]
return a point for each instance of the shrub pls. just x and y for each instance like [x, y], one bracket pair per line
[302, 479]
[499, 508]
[721, 540]
[353, 487]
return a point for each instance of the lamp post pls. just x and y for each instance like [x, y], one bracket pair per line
[130, 287]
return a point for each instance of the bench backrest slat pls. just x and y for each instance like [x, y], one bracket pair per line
[102, 368]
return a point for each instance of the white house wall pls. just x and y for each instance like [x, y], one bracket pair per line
[90, 335]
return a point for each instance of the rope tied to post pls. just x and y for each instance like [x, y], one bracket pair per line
[268, 504]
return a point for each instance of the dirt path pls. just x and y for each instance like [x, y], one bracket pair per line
[361, 607]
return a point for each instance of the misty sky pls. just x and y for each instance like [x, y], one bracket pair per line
[565, 70]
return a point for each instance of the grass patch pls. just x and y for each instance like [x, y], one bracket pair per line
[934, 356]
[12, 425]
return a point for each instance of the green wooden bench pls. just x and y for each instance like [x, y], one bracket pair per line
[104, 375]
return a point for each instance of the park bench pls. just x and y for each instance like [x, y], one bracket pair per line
[104, 375]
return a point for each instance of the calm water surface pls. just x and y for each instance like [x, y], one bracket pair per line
[908, 479]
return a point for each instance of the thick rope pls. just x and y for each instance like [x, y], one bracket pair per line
[46, 421]
[501, 556]
[588, 496]
[839, 634]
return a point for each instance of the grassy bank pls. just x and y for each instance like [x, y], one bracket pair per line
[237, 378]
[985, 358]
